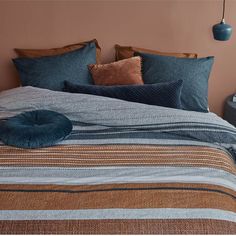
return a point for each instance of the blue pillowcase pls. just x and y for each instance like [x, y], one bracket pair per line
[193, 71]
[35, 129]
[161, 94]
[50, 71]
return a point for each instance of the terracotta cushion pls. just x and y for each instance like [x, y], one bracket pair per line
[123, 72]
[124, 52]
[35, 53]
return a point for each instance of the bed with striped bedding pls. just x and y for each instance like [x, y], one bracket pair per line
[126, 168]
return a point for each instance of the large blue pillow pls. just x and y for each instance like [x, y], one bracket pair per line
[193, 71]
[162, 94]
[35, 129]
[50, 71]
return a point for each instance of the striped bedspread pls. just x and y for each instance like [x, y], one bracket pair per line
[126, 168]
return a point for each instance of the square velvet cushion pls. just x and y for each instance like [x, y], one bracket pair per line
[194, 72]
[161, 94]
[124, 52]
[50, 72]
[33, 53]
[122, 72]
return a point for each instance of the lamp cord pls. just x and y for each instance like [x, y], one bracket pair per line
[223, 16]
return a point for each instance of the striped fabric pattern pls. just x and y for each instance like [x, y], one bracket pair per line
[126, 168]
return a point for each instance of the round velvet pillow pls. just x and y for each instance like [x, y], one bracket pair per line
[35, 129]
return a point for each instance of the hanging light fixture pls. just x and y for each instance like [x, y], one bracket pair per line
[222, 31]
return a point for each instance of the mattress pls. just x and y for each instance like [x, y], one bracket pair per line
[126, 168]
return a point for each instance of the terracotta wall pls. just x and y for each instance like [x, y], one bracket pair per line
[167, 25]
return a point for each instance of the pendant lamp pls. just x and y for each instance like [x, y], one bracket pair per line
[222, 31]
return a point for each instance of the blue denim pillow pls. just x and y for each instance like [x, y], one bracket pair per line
[50, 72]
[161, 94]
[193, 71]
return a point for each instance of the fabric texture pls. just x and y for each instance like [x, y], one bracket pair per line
[134, 226]
[194, 72]
[123, 52]
[51, 71]
[162, 94]
[35, 129]
[127, 71]
[126, 168]
[34, 53]
[230, 110]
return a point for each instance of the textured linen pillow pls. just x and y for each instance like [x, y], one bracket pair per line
[123, 52]
[51, 71]
[161, 94]
[194, 73]
[33, 53]
[122, 72]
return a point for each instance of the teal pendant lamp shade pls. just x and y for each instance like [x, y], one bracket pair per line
[222, 31]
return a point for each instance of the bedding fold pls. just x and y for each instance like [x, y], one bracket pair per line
[101, 120]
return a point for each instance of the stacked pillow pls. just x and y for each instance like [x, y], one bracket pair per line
[194, 72]
[124, 72]
[49, 68]
[33, 53]
[124, 52]
[160, 94]
[177, 80]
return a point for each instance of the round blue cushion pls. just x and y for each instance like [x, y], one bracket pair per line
[35, 129]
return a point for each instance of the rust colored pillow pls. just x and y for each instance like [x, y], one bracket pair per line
[34, 53]
[124, 52]
[123, 72]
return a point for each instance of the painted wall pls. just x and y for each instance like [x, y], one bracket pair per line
[167, 25]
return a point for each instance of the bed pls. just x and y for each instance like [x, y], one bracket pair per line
[126, 168]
